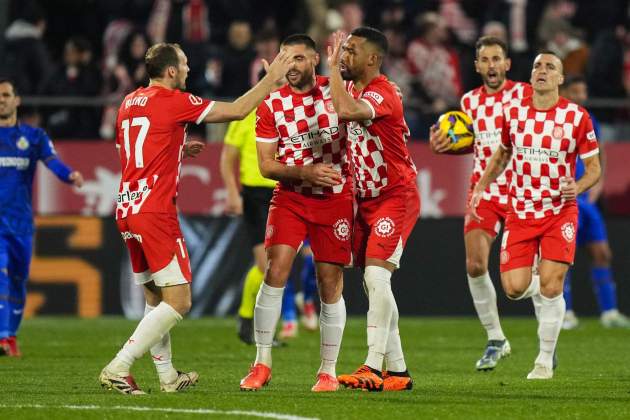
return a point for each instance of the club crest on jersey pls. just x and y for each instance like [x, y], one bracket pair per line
[22, 143]
[329, 106]
[341, 229]
[568, 231]
[558, 132]
[269, 232]
[384, 227]
[195, 100]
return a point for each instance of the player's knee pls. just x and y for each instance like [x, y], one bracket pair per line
[276, 274]
[476, 267]
[182, 305]
[551, 289]
[514, 291]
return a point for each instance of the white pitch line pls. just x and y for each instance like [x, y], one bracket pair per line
[261, 414]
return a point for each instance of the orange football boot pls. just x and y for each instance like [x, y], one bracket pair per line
[259, 375]
[325, 383]
[364, 378]
[397, 381]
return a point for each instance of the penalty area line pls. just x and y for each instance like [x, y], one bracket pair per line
[260, 414]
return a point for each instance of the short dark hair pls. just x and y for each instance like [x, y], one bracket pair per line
[374, 37]
[11, 82]
[487, 41]
[573, 79]
[300, 39]
[159, 57]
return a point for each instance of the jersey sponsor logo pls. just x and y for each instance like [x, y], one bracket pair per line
[591, 136]
[329, 106]
[130, 196]
[22, 143]
[341, 229]
[558, 132]
[19, 163]
[535, 154]
[384, 227]
[315, 137]
[136, 101]
[195, 100]
[128, 235]
[488, 135]
[375, 96]
[568, 231]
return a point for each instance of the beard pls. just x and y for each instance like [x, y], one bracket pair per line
[305, 78]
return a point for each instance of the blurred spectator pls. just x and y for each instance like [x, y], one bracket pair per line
[605, 75]
[128, 74]
[235, 61]
[564, 41]
[26, 58]
[436, 66]
[520, 69]
[267, 46]
[77, 76]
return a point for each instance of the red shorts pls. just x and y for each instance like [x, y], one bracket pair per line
[554, 236]
[493, 216]
[326, 221]
[157, 248]
[383, 225]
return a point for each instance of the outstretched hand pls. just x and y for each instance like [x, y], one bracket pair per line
[279, 67]
[76, 178]
[334, 50]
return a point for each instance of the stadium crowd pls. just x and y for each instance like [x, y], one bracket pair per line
[91, 49]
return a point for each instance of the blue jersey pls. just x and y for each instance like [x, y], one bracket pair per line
[21, 146]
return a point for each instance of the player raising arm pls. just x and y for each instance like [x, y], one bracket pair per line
[386, 194]
[542, 136]
[150, 136]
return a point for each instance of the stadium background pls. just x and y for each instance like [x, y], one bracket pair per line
[72, 75]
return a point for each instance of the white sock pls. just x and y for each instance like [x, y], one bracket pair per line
[378, 285]
[485, 301]
[537, 297]
[394, 357]
[332, 320]
[549, 325]
[266, 315]
[149, 331]
[161, 355]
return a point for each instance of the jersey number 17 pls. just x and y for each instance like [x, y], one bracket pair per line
[143, 123]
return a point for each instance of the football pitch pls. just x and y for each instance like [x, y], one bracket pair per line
[57, 376]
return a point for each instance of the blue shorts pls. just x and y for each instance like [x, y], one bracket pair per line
[15, 255]
[591, 225]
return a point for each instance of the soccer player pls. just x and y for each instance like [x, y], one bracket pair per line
[302, 143]
[21, 146]
[592, 234]
[386, 194]
[484, 105]
[542, 136]
[151, 132]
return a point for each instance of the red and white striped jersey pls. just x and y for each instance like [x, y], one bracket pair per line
[150, 136]
[380, 157]
[308, 131]
[545, 145]
[486, 112]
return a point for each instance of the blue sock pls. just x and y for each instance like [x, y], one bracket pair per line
[568, 296]
[605, 289]
[309, 283]
[289, 311]
[17, 300]
[5, 308]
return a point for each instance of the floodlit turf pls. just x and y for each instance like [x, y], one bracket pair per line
[57, 377]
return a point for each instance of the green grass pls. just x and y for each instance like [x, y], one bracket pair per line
[63, 357]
